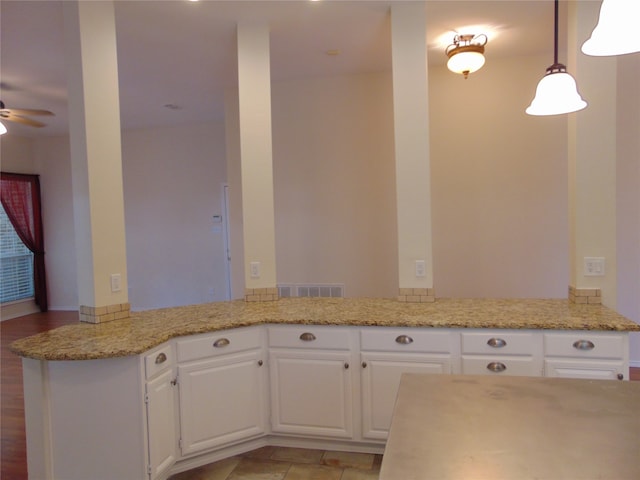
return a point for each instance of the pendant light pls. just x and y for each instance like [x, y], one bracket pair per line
[466, 54]
[556, 92]
[616, 32]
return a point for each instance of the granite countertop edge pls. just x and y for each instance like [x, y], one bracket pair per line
[145, 330]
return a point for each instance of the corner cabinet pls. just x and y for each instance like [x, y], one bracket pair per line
[311, 381]
[222, 381]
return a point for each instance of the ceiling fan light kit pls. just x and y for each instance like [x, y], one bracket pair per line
[3, 129]
[466, 53]
[557, 92]
[616, 32]
[21, 115]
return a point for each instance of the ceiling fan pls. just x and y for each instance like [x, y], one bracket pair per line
[20, 115]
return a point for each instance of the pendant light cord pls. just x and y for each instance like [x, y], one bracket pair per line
[555, 38]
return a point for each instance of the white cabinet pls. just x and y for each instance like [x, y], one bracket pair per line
[311, 386]
[586, 354]
[386, 354]
[222, 389]
[161, 409]
[502, 352]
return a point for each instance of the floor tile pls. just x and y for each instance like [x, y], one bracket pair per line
[258, 469]
[359, 474]
[214, 471]
[297, 455]
[377, 462]
[263, 452]
[313, 472]
[348, 459]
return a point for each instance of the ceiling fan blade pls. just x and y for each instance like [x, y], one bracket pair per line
[27, 111]
[8, 115]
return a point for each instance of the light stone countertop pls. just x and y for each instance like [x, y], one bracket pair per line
[147, 329]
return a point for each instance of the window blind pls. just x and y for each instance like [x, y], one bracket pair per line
[16, 264]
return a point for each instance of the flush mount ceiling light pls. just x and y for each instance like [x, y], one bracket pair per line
[557, 92]
[616, 32]
[466, 53]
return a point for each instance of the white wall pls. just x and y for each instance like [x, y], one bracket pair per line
[499, 185]
[173, 181]
[334, 183]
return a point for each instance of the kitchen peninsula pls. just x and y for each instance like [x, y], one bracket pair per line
[171, 389]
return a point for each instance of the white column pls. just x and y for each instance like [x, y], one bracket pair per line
[413, 175]
[592, 164]
[254, 84]
[94, 121]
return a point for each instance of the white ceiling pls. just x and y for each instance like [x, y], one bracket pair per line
[183, 53]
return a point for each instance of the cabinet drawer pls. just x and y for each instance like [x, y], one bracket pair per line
[309, 336]
[501, 342]
[406, 340]
[157, 361]
[585, 345]
[218, 343]
[497, 365]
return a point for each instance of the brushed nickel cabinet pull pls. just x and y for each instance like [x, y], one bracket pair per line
[496, 367]
[307, 337]
[161, 358]
[364, 364]
[497, 342]
[583, 345]
[346, 366]
[404, 339]
[221, 342]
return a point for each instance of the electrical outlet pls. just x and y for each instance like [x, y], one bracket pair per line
[593, 266]
[254, 268]
[421, 268]
[116, 282]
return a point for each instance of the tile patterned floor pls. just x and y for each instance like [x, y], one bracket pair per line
[286, 463]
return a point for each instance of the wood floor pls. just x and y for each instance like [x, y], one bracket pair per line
[13, 447]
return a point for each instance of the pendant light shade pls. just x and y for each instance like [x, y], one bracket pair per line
[617, 30]
[3, 129]
[557, 92]
[466, 54]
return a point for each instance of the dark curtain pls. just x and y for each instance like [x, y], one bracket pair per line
[21, 200]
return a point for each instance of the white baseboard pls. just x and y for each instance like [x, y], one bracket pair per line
[634, 363]
[64, 309]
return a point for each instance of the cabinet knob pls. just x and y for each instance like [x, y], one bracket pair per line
[161, 358]
[307, 337]
[620, 376]
[496, 367]
[583, 345]
[174, 382]
[260, 363]
[404, 339]
[364, 364]
[221, 342]
[346, 366]
[497, 342]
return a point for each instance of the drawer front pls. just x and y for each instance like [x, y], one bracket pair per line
[406, 340]
[501, 342]
[159, 360]
[218, 343]
[585, 345]
[496, 365]
[309, 336]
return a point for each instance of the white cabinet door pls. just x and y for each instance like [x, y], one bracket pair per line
[221, 400]
[596, 369]
[381, 374]
[311, 393]
[162, 422]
